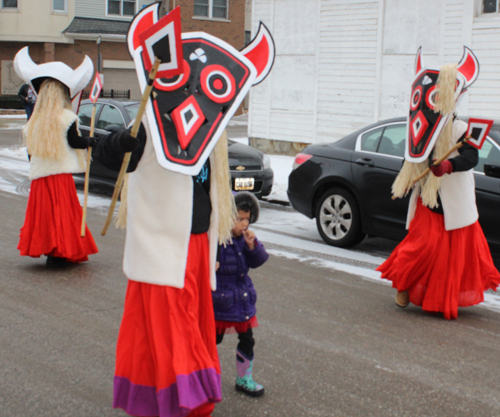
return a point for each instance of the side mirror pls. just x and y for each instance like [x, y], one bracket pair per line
[492, 170]
[113, 128]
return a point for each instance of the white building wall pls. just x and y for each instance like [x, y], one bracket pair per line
[283, 106]
[343, 64]
[484, 96]
[260, 103]
[347, 61]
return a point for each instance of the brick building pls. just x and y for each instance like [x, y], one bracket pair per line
[67, 30]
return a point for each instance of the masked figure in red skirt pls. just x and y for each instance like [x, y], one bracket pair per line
[52, 224]
[179, 208]
[444, 262]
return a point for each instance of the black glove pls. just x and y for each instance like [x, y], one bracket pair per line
[123, 141]
[92, 141]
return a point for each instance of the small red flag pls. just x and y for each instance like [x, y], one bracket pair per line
[163, 40]
[478, 129]
[96, 88]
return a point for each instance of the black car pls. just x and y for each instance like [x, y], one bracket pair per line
[346, 185]
[250, 168]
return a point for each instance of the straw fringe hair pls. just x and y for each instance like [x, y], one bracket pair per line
[225, 201]
[446, 83]
[38, 133]
[445, 104]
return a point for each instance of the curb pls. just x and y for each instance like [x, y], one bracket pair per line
[13, 112]
[276, 205]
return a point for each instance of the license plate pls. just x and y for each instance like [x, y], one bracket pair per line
[243, 184]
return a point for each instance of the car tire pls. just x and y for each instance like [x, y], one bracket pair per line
[337, 218]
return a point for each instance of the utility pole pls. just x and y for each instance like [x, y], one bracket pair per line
[99, 57]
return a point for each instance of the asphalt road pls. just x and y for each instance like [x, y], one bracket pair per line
[10, 138]
[329, 343]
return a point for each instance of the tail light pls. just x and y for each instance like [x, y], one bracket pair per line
[300, 159]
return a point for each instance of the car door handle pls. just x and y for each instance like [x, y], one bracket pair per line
[365, 161]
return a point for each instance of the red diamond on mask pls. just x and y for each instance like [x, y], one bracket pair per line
[187, 118]
[418, 127]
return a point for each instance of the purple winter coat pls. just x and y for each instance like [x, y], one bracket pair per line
[235, 297]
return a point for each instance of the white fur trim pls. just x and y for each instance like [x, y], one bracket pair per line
[43, 167]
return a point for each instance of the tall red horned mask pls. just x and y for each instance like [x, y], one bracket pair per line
[188, 112]
[424, 124]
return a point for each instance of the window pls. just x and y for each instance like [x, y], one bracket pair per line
[59, 5]
[393, 140]
[490, 6]
[488, 154]
[110, 115]
[121, 7]
[369, 141]
[132, 110]
[85, 113]
[211, 8]
[9, 4]
[388, 140]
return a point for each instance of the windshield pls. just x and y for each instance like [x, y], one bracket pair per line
[495, 134]
[132, 110]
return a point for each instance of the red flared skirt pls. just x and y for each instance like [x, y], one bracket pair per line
[235, 327]
[166, 358]
[442, 270]
[53, 219]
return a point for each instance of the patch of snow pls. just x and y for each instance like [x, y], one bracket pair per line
[15, 161]
[241, 120]
[243, 141]
[364, 273]
[20, 153]
[282, 167]
[316, 247]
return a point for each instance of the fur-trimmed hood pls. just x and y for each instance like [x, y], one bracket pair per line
[244, 201]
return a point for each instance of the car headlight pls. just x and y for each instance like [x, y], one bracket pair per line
[267, 162]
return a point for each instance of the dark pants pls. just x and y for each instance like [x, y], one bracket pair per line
[245, 344]
[29, 109]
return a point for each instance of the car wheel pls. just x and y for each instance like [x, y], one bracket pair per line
[337, 218]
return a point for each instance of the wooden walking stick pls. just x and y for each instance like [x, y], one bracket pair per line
[133, 133]
[87, 173]
[94, 95]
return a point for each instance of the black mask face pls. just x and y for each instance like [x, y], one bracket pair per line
[423, 120]
[189, 108]
[188, 113]
[424, 124]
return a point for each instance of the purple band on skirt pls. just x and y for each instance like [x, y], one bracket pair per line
[178, 400]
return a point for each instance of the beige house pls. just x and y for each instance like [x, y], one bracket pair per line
[67, 30]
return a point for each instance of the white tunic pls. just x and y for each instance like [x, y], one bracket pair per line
[457, 192]
[159, 215]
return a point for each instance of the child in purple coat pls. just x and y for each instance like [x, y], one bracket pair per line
[235, 297]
